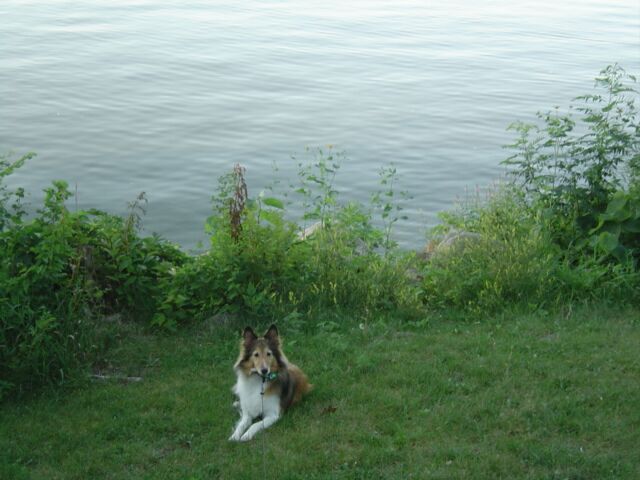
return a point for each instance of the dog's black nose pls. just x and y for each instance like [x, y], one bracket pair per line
[264, 371]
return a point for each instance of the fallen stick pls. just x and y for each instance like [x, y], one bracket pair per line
[116, 377]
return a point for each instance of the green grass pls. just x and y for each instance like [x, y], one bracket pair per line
[519, 396]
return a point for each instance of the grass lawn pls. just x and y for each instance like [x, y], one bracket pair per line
[521, 396]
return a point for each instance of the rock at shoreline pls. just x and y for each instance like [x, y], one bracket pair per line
[454, 241]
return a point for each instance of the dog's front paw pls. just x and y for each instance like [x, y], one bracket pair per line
[234, 437]
[246, 437]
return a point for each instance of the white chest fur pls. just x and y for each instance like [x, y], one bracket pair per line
[248, 390]
[252, 405]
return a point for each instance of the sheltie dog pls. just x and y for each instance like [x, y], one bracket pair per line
[267, 383]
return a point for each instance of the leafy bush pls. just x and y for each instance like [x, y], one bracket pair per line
[59, 272]
[567, 226]
[569, 168]
[514, 260]
[259, 264]
[125, 269]
[351, 263]
[11, 211]
[618, 230]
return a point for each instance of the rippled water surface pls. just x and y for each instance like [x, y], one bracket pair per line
[122, 96]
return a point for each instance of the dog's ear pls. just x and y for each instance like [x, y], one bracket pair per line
[248, 336]
[272, 334]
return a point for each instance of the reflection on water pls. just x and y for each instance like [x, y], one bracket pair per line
[164, 96]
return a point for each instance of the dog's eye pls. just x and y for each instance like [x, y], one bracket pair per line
[256, 354]
[268, 354]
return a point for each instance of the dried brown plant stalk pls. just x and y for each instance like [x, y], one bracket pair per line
[238, 202]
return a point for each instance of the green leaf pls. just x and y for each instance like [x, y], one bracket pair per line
[607, 241]
[621, 253]
[273, 202]
[632, 225]
[272, 217]
[618, 209]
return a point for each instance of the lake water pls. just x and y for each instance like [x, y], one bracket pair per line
[123, 96]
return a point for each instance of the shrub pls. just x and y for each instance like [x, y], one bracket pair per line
[59, 272]
[569, 167]
[259, 265]
[246, 265]
[125, 269]
[511, 261]
[566, 228]
[514, 260]
[617, 233]
[11, 211]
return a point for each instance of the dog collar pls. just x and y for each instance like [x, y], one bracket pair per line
[270, 376]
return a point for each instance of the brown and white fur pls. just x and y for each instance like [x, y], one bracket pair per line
[260, 357]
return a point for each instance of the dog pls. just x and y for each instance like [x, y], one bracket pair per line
[267, 383]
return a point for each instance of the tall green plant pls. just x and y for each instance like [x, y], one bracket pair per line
[317, 186]
[11, 208]
[572, 163]
[386, 202]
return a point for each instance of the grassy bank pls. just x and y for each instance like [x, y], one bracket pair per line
[515, 396]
